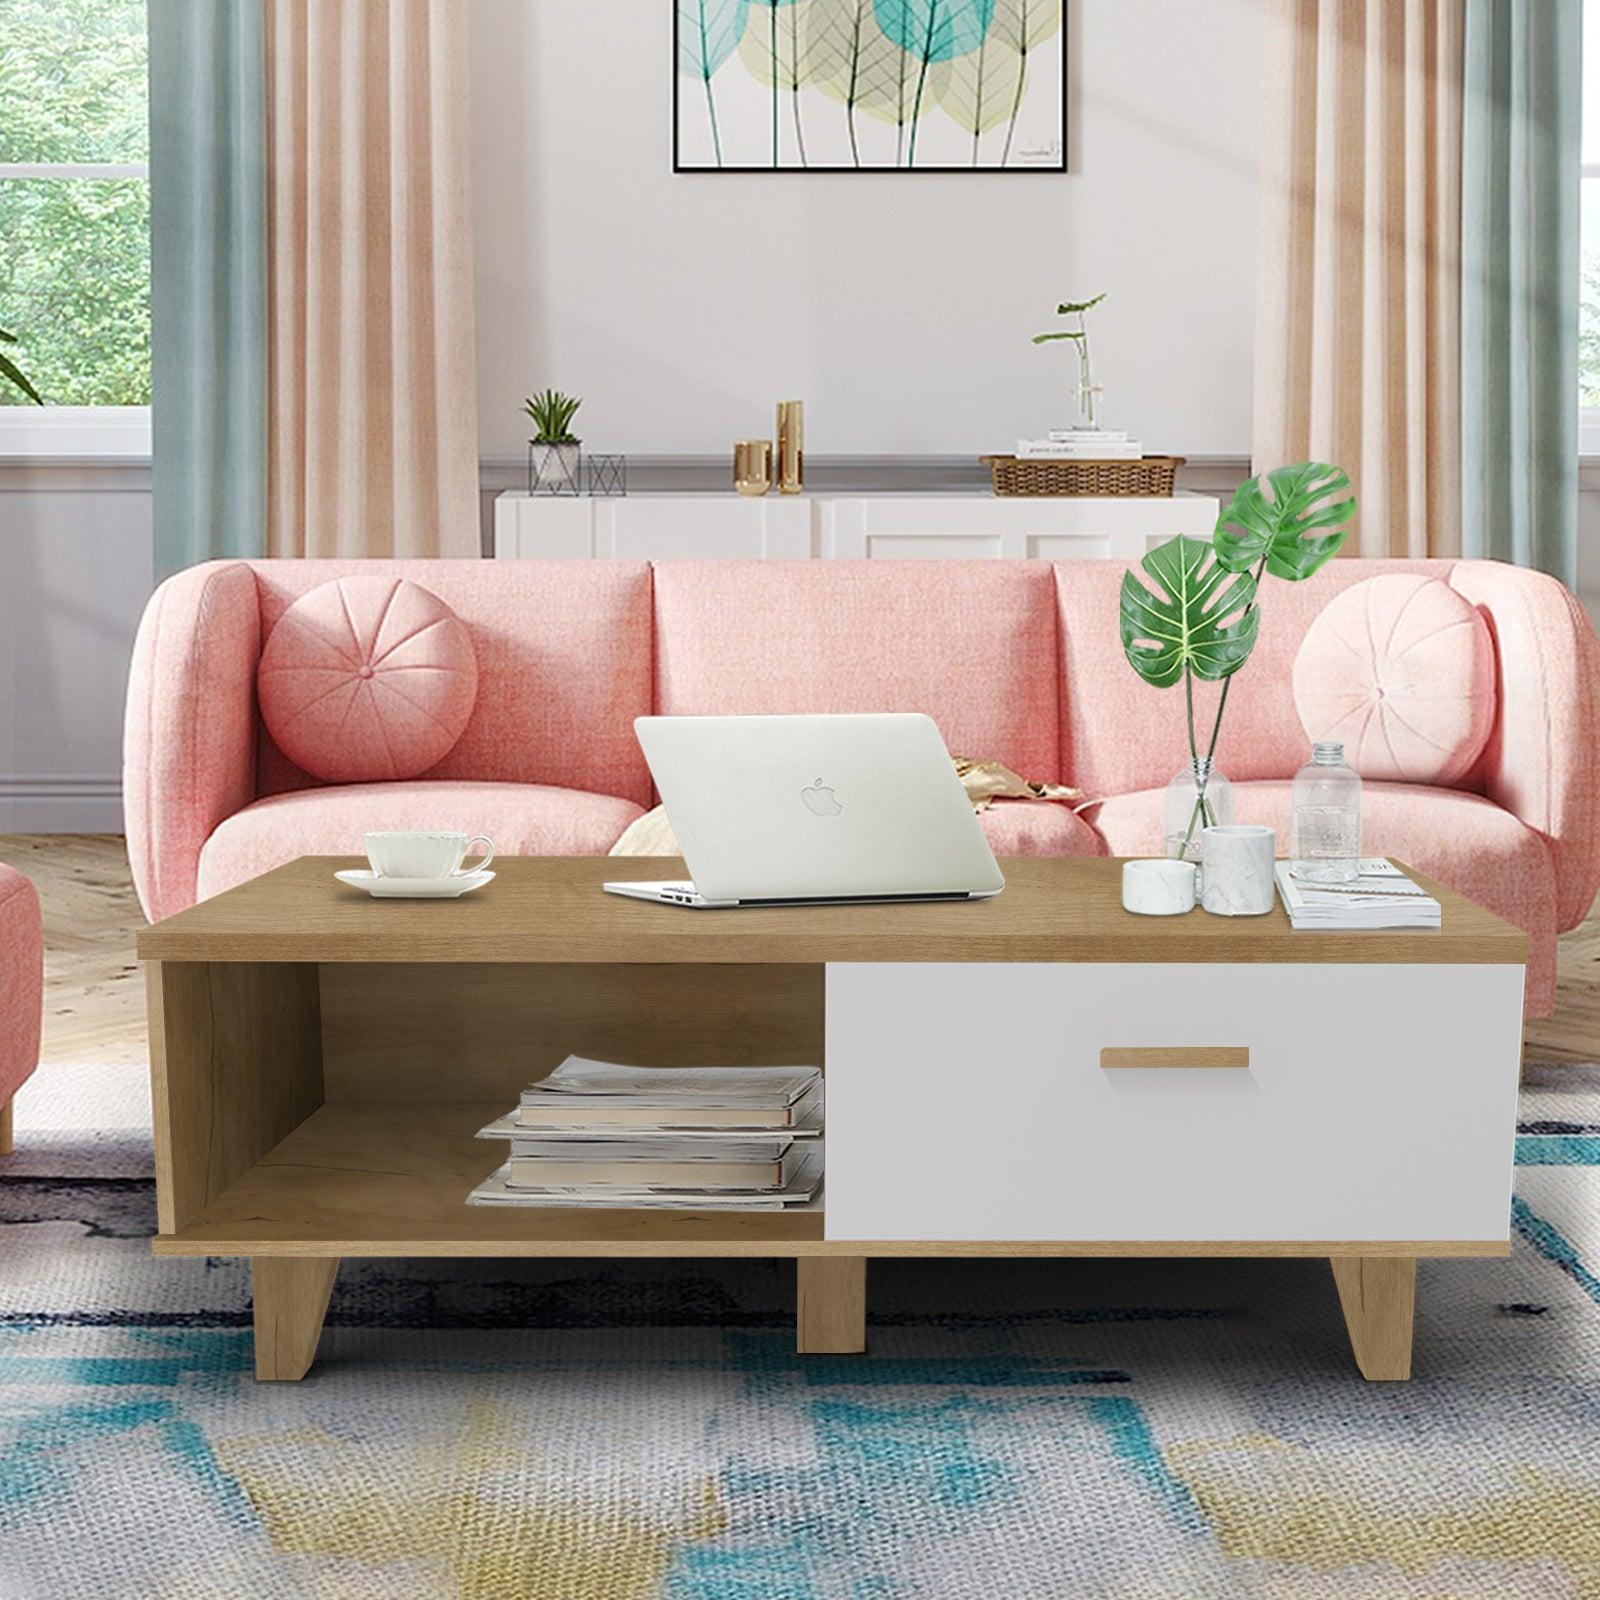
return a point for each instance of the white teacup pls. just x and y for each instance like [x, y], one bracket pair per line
[425, 855]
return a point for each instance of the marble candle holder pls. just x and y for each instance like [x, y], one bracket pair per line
[1236, 870]
[1158, 888]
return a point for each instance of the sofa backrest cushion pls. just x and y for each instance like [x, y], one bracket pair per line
[971, 643]
[564, 666]
[1120, 735]
[367, 680]
[1401, 669]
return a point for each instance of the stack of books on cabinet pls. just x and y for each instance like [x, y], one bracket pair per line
[1081, 444]
[683, 1138]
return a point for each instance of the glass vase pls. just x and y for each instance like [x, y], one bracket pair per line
[1325, 826]
[1198, 798]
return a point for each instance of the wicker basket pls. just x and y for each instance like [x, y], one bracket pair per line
[1149, 475]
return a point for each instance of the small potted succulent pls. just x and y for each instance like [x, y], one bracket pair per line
[555, 452]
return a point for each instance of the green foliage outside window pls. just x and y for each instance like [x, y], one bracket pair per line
[1589, 335]
[75, 252]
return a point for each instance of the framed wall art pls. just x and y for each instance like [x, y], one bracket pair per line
[870, 86]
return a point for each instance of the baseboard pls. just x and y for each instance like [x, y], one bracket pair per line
[53, 804]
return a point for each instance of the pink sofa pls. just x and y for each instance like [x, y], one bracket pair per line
[21, 990]
[1018, 661]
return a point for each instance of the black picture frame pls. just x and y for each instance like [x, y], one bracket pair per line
[1059, 41]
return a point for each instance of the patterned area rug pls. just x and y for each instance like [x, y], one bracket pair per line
[522, 1430]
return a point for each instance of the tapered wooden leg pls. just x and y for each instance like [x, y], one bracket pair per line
[831, 1305]
[7, 1142]
[1378, 1293]
[291, 1299]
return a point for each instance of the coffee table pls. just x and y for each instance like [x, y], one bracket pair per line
[1041, 1074]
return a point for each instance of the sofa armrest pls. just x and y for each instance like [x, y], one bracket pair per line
[1542, 762]
[189, 739]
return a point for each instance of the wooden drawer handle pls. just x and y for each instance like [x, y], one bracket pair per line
[1174, 1056]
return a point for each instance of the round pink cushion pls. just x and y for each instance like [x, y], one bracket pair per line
[367, 679]
[1401, 668]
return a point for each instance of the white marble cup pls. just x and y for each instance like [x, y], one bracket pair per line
[1158, 888]
[1236, 870]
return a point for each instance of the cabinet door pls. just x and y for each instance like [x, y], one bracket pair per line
[1292, 1102]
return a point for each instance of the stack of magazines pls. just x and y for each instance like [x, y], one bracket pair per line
[701, 1138]
[1380, 896]
[1081, 444]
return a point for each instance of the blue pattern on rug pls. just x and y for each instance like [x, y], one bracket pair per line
[1104, 1430]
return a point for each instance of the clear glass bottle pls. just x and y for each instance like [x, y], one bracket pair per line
[1325, 832]
[1198, 798]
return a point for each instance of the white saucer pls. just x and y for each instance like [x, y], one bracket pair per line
[415, 888]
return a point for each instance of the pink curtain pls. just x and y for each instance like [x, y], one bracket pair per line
[372, 401]
[1358, 306]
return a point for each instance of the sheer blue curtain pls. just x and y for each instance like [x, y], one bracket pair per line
[208, 226]
[1521, 124]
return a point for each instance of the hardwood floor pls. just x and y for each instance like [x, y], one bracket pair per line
[93, 989]
[94, 997]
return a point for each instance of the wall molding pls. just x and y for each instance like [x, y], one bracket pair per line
[64, 803]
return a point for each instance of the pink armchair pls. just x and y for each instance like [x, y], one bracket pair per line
[1018, 661]
[21, 990]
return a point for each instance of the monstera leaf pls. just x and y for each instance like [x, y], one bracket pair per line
[1200, 616]
[1305, 500]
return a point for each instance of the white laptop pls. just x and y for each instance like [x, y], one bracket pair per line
[813, 810]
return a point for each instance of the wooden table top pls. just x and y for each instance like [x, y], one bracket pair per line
[552, 909]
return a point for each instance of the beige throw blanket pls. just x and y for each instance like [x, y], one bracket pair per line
[984, 781]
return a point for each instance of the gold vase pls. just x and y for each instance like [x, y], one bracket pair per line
[752, 466]
[791, 446]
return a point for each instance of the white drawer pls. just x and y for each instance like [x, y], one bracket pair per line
[968, 1101]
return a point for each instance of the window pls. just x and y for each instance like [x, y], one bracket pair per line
[75, 225]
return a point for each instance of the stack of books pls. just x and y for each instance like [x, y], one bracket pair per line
[1381, 896]
[701, 1138]
[1081, 444]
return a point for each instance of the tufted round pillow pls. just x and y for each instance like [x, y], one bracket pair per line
[367, 679]
[1401, 668]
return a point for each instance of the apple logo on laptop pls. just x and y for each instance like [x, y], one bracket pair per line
[820, 800]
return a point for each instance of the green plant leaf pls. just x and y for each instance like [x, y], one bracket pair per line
[552, 414]
[1078, 307]
[1050, 338]
[1305, 500]
[13, 374]
[1199, 616]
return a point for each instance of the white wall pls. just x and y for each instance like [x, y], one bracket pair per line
[899, 307]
